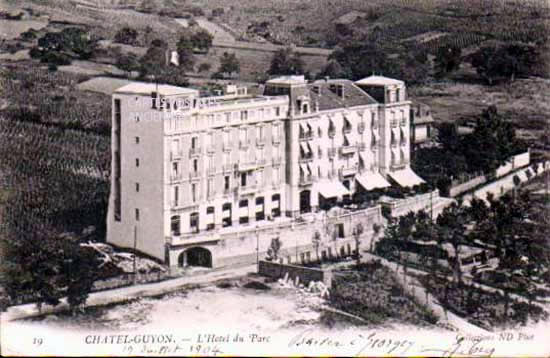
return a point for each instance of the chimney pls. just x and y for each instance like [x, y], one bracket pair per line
[340, 90]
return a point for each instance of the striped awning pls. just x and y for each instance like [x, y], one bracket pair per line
[406, 177]
[332, 189]
[372, 180]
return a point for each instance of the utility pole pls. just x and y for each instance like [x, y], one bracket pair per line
[257, 249]
[431, 205]
[135, 248]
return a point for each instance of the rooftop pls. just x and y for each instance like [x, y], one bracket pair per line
[379, 81]
[323, 92]
[147, 88]
[287, 80]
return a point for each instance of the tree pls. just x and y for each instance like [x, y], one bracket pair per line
[405, 231]
[316, 241]
[507, 61]
[153, 63]
[126, 35]
[229, 65]
[286, 62]
[447, 59]
[356, 232]
[128, 63]
[376, 229]
[204, 67]
[274, 248]
[184, 47]
[60, 47]
[447, 136]
[332, 69]
[46, 268]
[202, 40]
[373, 54]
[451, 228]
[491, 143]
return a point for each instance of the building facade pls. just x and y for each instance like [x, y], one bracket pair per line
[210, 181]
[421, 122]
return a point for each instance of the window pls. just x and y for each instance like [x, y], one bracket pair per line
[227, 117]
[276, 205]
[305, 108]
[244, 115]
[175, 147]
[209, 142]
[226, 211]
[175, 225]
[243, 135]
[137, 140]
[388, 96]
[176, 196]
[277, 111]
[226, 138]
[260, 132]
[137, 162]
[210, 187]
[175, 168]
[260, 214]
[194, 192]
[226, 182]
[243, 179]
[211, 166]
[210, 218]
[137, 214]
[194, 222]
[137, 187]
[260, 177]
[194, 142]
[276, 132]
[153, 100]
[243, 211]
[195, 165]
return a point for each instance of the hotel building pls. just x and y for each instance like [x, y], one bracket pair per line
[210, 181]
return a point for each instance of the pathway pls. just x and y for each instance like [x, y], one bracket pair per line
[419, 291]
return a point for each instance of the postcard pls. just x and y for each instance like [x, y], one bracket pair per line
[285, 178]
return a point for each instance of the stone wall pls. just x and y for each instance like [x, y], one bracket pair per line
[305, 274]
[461, 188]
[513, 163]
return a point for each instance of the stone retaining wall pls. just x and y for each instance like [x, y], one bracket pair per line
[305, 274]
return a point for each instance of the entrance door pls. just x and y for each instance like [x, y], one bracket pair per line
[305, 201]
[198, 256]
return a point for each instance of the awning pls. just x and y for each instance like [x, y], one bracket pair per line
[371, 181]
[304, 127]
[406, 177]
[332, 188]
[305, 147]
